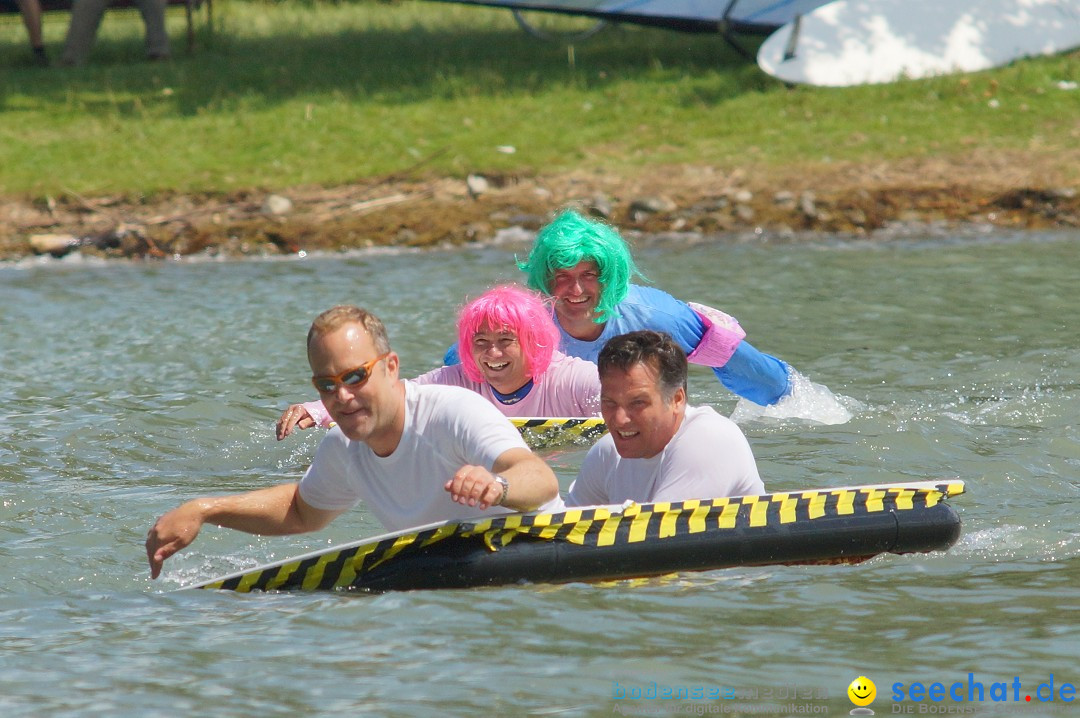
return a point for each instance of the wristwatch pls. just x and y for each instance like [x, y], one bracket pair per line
[505, 487]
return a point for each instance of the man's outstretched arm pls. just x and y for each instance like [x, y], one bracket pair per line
[275, 511]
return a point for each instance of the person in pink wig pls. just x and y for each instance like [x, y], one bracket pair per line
[511, 359]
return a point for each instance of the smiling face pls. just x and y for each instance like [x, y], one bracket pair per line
[499, 357]
[641, 420]
[862, 691]
[371, 411]
[577, 292]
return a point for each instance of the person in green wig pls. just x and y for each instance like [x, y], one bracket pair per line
[587, 268]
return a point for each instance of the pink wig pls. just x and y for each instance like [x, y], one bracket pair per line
[513, 309]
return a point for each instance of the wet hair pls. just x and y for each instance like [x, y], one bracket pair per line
[336, 317]
[571, 238]
[513, 309]
[655, 349]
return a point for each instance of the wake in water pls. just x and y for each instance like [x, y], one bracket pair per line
[807, 401]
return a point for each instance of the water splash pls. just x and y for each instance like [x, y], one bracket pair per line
[808, 401]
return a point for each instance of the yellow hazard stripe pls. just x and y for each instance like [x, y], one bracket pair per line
[846, 503]
[815, 505]
[759, 511]
[639, 526]
[874, 500]
[696, 523]
[788, 504]
[578, 532]
[282, 575]
[608, 531]
[314, 575]
[667, 520]
[728, 515]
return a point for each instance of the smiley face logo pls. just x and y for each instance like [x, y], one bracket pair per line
[862, 691]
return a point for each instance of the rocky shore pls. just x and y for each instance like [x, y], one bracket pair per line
[992, 190]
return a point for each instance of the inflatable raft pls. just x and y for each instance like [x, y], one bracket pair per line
[842, 525]
[546, 432]
[541, 433]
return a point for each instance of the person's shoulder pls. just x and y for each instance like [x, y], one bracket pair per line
[563, 363]
[334, 440]
[452, 375]
[601, 452]
[653, 306]
[706, 414]
[704, 435]
[441, 393]
[704, 426]
[453, 404]
[647, 295]
[707, 419]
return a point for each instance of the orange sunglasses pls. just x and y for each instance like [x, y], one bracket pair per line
[354, 378]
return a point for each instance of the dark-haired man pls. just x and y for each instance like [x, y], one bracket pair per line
[413, 454]
[658, 448]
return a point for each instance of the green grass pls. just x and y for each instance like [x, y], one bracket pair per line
[300, 93]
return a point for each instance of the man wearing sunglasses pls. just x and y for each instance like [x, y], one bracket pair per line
[414, 454]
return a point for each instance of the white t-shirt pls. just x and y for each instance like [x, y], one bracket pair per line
[446, 427]
[709, 457]
[569, 387]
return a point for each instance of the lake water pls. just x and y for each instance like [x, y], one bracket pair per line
[128, 388]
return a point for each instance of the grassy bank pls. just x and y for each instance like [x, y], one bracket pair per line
[296, 93]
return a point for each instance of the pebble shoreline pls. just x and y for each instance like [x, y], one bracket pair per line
[480, 209]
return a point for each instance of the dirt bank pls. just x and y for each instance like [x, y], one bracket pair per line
[1019, 191]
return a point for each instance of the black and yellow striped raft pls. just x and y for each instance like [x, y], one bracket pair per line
[600, 543]
[545, 432]
[541, 433]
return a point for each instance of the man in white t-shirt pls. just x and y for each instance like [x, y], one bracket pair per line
[658, 448]
[414, 454]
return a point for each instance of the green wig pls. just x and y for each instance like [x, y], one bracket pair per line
[570, 239]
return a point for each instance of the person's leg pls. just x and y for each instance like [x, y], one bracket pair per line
[31, 15]
[157, 40]
[85, 19]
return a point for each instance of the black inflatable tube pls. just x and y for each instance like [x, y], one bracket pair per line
[468, 562]
[842, 525]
